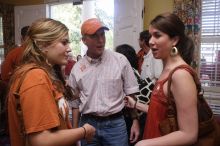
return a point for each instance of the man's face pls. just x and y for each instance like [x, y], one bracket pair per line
[95, 43]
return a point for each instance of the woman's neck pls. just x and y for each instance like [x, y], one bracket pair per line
[171, 62]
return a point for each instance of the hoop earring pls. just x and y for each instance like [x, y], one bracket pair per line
[174, 51]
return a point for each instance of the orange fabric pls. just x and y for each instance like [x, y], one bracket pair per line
[37, 99]
[69, 67]
[140, 57]
[157, 110]
[90, 26]
[11, 61]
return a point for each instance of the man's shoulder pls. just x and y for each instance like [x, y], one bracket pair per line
[114, 54]
[79, 65]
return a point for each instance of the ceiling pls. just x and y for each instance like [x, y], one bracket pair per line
[22, 2]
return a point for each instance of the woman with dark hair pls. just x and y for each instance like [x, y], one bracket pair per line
[131, 121]
[169, 43]
[129, 53]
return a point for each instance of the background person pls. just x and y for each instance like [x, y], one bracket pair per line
[37, 107]
[129, 52]
[78, 57]
[68, 67]
[148, 66]
[13, 58]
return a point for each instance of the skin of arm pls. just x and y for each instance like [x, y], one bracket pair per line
[135, 128]
[185, 94]
[61, 137]
[75, 117]
[135, 131]
[130, 102]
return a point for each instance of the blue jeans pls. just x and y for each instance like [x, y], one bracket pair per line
[111, 132]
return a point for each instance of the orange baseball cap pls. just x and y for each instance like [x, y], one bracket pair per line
[90, 26]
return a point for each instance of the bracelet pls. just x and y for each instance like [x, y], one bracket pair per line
[84, 132]
[135, 104]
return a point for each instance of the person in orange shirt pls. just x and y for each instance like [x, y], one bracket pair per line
[13, 58]
[37, 98]
[69, 65]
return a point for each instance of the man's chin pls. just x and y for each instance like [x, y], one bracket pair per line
[100, 51]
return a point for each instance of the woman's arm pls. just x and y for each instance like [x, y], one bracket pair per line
[75, 117]
[185, 95]
[135, 131]
[132, 103]
[65, 137]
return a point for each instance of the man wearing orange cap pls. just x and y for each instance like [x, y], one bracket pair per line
[101, 80]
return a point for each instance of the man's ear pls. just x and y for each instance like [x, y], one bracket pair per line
[84, 40]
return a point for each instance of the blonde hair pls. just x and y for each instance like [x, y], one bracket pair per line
[42, 33]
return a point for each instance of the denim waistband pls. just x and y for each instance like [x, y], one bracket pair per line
[109, 117]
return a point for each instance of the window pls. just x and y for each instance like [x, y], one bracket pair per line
[71, 16]
[1, 42]
[210, 43]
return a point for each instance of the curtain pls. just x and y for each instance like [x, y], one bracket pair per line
[7, 12]
[189, 12]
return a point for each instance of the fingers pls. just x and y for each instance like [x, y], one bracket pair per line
[134, 137]
[90, 132]
[135, 131]
[129, 101]
[131, 137]
[126, 101]
[63, 107]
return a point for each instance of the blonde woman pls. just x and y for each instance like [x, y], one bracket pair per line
[37, 107]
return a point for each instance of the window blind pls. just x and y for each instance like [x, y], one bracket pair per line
[210, 43]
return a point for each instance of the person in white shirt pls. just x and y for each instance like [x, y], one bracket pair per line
[101, 80]
[151, 67]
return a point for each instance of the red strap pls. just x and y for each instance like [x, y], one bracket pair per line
[170, 99]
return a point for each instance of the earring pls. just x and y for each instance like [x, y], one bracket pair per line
[174, 51]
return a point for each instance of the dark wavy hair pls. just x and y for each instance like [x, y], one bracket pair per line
[129, 52]
[171, 24]
[145, 35]
[24, 31]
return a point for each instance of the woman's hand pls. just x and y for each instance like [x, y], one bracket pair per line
[129, 102]
[135, 131]
[89, 132]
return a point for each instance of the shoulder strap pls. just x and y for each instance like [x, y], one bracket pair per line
[170, 100]
[137, 75]
[192, 72]
[205, 114]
